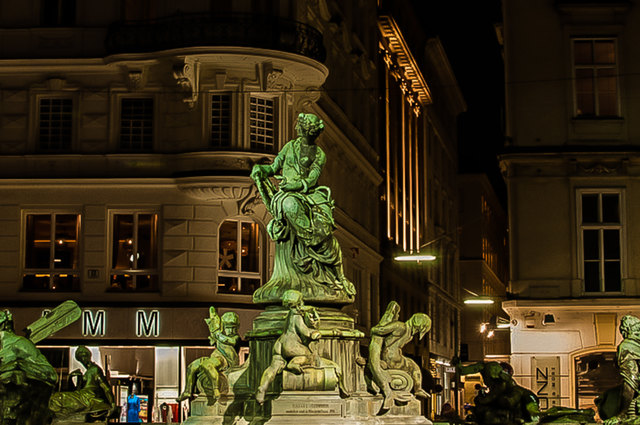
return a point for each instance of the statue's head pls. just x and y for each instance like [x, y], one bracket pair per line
[311, 318]
[230, 322]
[292, 299]
[420, 324]
[630, 327]
[6, 321]
[309, 124]
[494, 369]
[83, 355]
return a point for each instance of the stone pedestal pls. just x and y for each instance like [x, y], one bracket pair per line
[310, 398]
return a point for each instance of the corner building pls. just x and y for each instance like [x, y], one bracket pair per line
[571, 167]
[127, 134]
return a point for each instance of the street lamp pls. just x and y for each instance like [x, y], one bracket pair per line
[417, 257]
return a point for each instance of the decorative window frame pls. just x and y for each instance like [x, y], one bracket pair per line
[53, 91]
[233, 119]
[23, 242]
[111, 212]
[574, 67]
[115, 120]
[279, 123]
[580, 241]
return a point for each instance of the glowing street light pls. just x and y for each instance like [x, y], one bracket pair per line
[479, 300]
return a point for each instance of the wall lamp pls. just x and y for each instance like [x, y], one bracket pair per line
[417, 257]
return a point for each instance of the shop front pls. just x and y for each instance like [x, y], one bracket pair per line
[143, 351]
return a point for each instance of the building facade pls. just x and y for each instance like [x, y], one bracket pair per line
[421, 102]
[571, 171]
[127, 133]
[483, 270]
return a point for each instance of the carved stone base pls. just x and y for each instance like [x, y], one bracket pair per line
[304, 408]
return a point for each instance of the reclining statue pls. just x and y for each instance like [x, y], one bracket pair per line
[203, 374]
[388, 338]
[93, 396]
[291, 350]
[621, 404]
[506, 402]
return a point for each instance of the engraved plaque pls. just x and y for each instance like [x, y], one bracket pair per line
[296, 407]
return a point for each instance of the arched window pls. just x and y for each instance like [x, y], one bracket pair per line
[239, 257]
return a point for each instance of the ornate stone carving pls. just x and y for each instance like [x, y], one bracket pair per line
[277, 81]
[598, 168]
[187, 75]
[136, 79]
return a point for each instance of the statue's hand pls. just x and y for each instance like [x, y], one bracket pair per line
[259, 172]
[315, 335]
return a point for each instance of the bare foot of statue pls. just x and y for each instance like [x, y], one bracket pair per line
[388, 402]
[185, 396]
[420, 393]
[260, 394]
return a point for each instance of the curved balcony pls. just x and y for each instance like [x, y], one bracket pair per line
[196, 30]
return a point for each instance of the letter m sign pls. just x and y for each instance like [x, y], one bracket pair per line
[93, 323]
[148, 325]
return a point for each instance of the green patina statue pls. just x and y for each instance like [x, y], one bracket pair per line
[389, 369]
[506, 402]
[621, 405]
[308, 257]
[92, 398]
[26, 378]
[292, 351]
[203, 374]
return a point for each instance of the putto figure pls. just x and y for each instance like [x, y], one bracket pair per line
[308, 257]
[291, 351]
[93, 395]
[386, 360]
[621, 405]
[204, 373]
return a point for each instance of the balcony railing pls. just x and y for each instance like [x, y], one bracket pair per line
[196, 30]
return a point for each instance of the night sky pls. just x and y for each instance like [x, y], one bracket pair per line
[467, 32]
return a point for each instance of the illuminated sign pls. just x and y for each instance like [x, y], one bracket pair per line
[147, 325]
[93, 324]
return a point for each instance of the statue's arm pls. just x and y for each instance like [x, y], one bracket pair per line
[315, 169]
[303, 330]
[262, 171]
[470, 369]
[226, 339]
[383, 330]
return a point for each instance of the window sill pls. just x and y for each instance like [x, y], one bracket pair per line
[597, 127]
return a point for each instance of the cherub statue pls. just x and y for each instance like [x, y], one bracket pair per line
[388, 338]
[26, 378]
[205, 371]
[93, 395]
[307, 256]
[291, 350]
[621, 405]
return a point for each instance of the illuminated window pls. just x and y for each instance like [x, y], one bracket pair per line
[239, 259]
[136, 124]
[55, 124]
[51, 252]
[134, 251]
[262, 124]
[221, 120]
[601, 240]
[595, 77]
